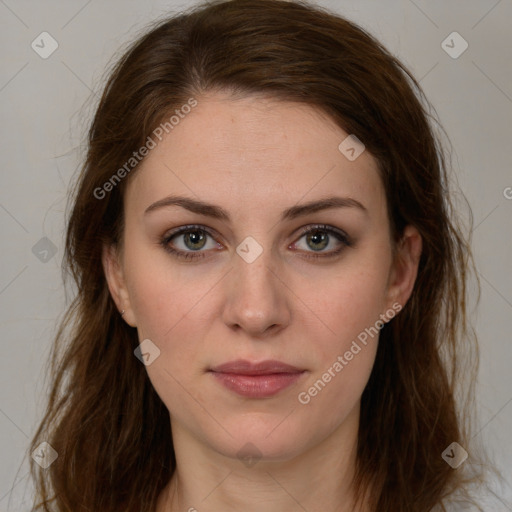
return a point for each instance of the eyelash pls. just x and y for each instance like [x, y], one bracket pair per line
[194, 255]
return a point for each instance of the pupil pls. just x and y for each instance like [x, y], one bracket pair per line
[318, 237]
[195, 237]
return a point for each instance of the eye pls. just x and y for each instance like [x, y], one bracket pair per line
[320, 237]
[188, 242]
[194, 242]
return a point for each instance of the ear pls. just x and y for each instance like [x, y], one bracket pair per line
[114, 275]
[404, 268]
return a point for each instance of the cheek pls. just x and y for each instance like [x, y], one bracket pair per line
[168, 310]
[168, 315]
[160, 290]
[350, 308]
[348, 303]
[346, 355]
[172, 304]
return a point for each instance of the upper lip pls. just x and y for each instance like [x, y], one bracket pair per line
[244, 367]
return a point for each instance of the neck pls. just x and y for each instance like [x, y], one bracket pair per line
[319, 478]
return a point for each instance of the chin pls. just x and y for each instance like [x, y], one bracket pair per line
[258, 436]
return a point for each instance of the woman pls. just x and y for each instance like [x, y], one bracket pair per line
[270, 280]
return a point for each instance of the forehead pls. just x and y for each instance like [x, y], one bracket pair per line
[254, 150]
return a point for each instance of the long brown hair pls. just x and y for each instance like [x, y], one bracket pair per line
[104, 419]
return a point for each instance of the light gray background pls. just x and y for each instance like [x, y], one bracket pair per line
[43, 126]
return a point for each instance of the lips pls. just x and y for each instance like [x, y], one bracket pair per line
[256, 380]
[242, 367]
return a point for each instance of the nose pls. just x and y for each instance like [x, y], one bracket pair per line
[257, 300]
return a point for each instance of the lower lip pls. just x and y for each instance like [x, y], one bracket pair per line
[257, 386]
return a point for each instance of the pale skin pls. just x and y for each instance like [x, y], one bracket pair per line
[255, 158]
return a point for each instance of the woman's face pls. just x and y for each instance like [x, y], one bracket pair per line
[247, 286]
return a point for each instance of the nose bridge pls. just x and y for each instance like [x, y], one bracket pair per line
[255, 296]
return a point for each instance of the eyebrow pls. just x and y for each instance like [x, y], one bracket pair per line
[217, 212]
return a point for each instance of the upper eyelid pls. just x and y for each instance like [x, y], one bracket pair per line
[191, 227]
